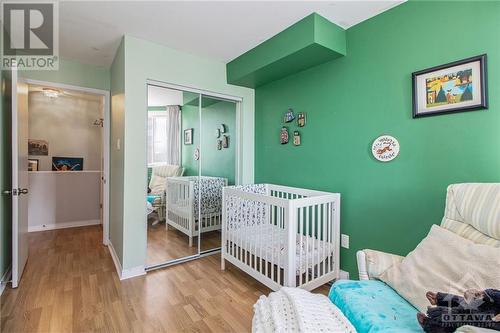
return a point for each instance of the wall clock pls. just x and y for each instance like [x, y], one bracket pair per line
[385, 148]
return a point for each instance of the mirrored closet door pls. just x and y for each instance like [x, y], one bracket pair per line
[173, 170]
[191, 156]
[217, 165]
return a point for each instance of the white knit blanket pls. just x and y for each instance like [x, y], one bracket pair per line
[297, 310]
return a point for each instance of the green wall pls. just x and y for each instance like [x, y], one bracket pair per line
[352, 100]
[73, 73]
[214, 162]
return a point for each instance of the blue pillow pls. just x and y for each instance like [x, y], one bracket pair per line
[152, 198]
[374, 307]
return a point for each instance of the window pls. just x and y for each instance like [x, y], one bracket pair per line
[163, 136]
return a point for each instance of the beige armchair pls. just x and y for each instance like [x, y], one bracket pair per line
[157, 185]
[472, 211]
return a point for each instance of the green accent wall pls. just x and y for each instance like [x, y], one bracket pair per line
[309, 42]
[352, 100]
[214, 162]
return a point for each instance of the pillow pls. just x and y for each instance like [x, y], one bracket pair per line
[157, 184]
[444, 262]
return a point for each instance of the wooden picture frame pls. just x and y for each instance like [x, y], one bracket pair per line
[458, 86]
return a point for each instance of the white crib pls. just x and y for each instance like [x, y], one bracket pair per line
[184, 202]
[282, 236]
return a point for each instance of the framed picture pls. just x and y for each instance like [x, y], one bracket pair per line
[188, 136]
[33, 164]
[455, 87]
[38, 147]
[67, 163]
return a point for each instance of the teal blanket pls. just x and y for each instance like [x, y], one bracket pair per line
[373, 307]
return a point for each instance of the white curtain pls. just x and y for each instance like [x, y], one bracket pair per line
[164, 136]
[173, 134]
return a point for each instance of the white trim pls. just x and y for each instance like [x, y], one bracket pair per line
[114, 256]
[105, 147]
[124, 274]
[193, 90]
[132, 272]
[62, 225]
[5, 279]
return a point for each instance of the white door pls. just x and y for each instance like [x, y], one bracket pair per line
[19, 178]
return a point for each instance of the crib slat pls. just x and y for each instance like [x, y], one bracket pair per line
[307, 244]
[301, 233]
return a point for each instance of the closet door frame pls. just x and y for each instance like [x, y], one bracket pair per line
[238, 163]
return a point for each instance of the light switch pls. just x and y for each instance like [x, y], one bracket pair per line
[344, 241]
[118, 144]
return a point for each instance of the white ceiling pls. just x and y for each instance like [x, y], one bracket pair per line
[90, 32]
[158, 96]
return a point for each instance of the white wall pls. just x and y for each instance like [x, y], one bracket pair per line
[63, 199]
[66, 123]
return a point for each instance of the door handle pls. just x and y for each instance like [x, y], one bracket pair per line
[22, 190]
[7, 192]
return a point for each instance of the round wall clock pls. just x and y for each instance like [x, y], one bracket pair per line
[385, 148]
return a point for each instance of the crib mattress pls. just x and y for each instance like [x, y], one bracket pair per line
[268, 242]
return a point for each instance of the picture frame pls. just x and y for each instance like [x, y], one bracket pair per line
[457, 86]
[38, 147]
[67, 163]
[188, 136]
[33, 164]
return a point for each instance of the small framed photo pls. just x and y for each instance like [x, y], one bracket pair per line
[188, 136]
[455, 87]
[33, 164]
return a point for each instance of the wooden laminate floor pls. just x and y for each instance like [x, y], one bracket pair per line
[70, 285]
[167, 244]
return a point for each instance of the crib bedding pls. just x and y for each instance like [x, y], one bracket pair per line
[273, 240]
[211, 193]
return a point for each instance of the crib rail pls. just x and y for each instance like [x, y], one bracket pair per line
[282, 236]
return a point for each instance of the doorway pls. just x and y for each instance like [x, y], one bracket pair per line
[61, 154]
[192, 154]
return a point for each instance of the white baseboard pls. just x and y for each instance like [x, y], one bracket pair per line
[343, 275]
[62, 225]
[124, 274]
[132, 272]
[5, 278]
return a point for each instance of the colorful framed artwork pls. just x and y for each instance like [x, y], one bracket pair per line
[33, 164]
[188, 136]
[455, 87]
[38, 147]
[67, 163]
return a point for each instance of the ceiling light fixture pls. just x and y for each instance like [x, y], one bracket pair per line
[51, 93]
